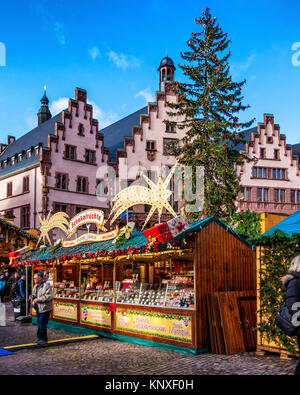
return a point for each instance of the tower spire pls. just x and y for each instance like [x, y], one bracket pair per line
[44, 113]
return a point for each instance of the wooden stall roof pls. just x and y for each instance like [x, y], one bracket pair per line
[137, 244]
[9, 226]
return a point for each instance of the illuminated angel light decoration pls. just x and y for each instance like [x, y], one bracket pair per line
[58, 220]
[156, 196]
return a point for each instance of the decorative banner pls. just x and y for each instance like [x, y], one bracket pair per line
[168, 326]
[65, 311]
[95, 315]
[91, 238]
[92, 216]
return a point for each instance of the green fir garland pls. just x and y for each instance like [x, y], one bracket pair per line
[277, 252]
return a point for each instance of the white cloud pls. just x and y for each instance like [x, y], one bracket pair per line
[94, 53]
[123, 61]
[59, 33]
[105, 119]
[146, 95]
[58, 105]
[243, 66]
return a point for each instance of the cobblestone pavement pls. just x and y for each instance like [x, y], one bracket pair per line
[107, 356]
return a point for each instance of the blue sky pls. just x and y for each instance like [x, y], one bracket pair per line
[113, 49]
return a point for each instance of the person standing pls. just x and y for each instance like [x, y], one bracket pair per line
[292, 283]
[15, 285]
[22, 286]
[7, 285]
[42, 302]
[2, 287]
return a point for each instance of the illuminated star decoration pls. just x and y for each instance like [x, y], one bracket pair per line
[156, 196]
[58, 220]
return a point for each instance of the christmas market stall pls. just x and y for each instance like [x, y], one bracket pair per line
[148, 287]
[275, 250]
[13, 238]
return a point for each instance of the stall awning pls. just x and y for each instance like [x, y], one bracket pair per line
[289, 225]
[137, 244]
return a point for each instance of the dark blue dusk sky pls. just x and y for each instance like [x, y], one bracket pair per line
[113, 49]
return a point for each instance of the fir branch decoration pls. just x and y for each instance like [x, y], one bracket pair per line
[278, 250]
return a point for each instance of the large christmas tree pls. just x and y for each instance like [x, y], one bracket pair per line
[209, 103]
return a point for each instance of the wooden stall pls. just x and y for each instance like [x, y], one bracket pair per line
[269, 273]
[153, 293]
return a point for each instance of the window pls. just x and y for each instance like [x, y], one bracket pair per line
[242, 194]
[278, 174]
[26, 184]
[9, 189]
[70, 152]
[264, 172]
[89, 156]
[266, 195]
[276, 195]
[298, 196]
[167, 150]
[61, 181]
[150, 145]
[58, 208]
[28, 154]
[282, 195]
[255, 172]
[80, 130]
[262, 153]
[20, 157]
[25, 217]
[36, 150]
[274, 173]
[170, 129]
[276, 154]
[82, 184]
[293, 196]
[259, 194]
[79, 209]
[12, 161]
[260, 172]
[283, 174]
[249, 194]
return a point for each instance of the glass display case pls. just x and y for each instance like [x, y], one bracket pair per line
[99, 293]
[167, 294]
[65, 289]
[97, 284]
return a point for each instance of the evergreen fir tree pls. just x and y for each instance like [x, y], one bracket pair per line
[209, 103]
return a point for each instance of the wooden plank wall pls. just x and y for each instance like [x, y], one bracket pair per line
[223, 263]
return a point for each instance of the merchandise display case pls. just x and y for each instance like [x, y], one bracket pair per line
[65, 289]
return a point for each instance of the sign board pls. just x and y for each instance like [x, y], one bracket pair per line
[92, 216]
[91, 238]
[168, 326]
[65, 311]
[95, 315]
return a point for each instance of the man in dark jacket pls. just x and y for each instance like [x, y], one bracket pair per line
[15, 286]
[292, 284]
[22, 286]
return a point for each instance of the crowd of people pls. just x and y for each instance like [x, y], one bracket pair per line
[12, 286]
